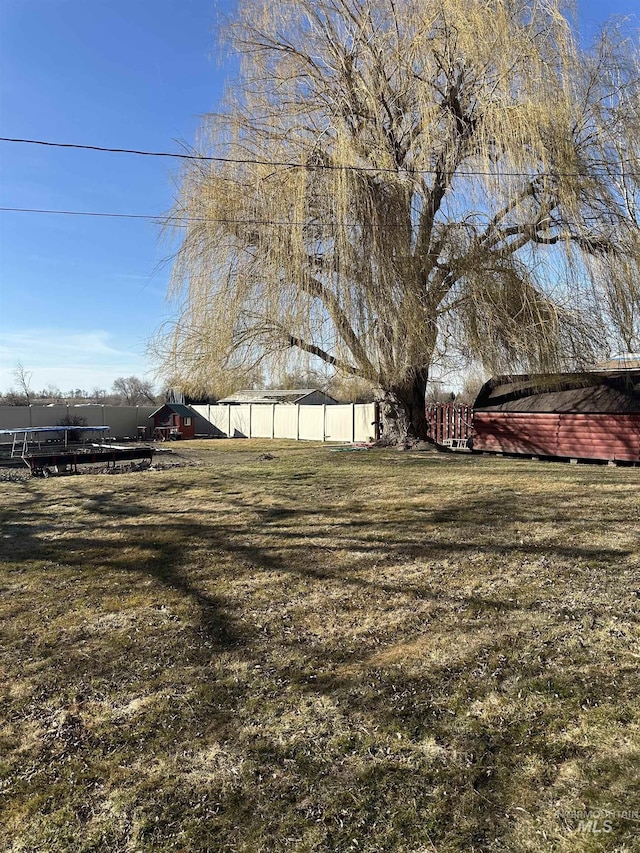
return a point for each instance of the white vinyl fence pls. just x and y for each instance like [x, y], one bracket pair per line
[351, 422]
[123, 421]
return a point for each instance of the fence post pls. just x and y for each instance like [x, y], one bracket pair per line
[298, 422]
[229, 421]
[250, 418]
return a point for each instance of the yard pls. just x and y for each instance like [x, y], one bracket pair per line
[276, 647]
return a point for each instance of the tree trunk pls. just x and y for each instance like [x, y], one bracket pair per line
[403, 411]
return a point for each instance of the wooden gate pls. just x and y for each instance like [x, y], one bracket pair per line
[450, 425]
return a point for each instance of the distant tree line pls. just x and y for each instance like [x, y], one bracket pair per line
[125, 391]
[133, 391]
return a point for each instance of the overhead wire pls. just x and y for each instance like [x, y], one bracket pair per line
[179, 220]
[250, 161]
[81, 213]
[175, 221]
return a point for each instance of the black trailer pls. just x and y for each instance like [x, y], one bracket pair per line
[45, 464]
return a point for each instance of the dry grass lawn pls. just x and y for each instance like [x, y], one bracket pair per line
[320, 651]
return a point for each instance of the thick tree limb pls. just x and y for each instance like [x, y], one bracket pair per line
[316, 288]
[312, 349]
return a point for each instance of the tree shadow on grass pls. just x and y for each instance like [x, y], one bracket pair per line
[157, 550]
[396, 753]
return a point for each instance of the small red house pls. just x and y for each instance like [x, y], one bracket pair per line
[173, 421]
[592, 416]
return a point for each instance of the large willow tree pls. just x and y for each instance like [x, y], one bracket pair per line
[395, 180]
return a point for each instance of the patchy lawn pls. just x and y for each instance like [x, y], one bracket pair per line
[365, 651]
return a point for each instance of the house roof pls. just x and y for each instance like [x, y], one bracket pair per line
[591, 392]
[177, 408]
[273, 395]
[629, 361]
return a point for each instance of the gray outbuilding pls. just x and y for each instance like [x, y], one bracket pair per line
[300, 396]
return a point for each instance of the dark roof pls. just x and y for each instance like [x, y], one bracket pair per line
[273, 395]
[177, 408]
[592, 393]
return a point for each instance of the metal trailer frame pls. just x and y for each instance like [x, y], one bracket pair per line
[43, 463]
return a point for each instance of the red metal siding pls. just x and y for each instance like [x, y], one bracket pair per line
[598, 436]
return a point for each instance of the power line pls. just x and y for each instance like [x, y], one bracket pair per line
[81, 213]
[290, 164]
[115, 150]
[173, 220]
[220, 220]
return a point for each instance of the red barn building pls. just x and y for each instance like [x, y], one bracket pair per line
[172, 421]
[593, 416]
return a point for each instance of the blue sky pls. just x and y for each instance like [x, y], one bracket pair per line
[80, 296]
